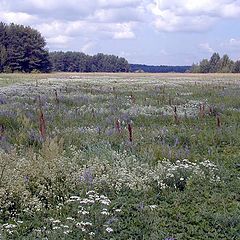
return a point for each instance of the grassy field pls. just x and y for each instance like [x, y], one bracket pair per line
[120, 156]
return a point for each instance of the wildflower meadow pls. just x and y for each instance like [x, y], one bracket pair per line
[119, 156]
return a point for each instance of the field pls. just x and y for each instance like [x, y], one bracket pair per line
[120, 156]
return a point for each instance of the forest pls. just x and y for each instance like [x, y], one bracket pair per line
[80, 62]
[23, 49]
[217, 64]
[158, 69]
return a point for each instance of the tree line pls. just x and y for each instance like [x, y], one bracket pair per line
[158, 69]
[23, 49]
[216, 64]
[80, 62]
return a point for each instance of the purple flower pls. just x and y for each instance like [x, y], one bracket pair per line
[26, 179]
[141, 206]
[4, 144]
[2, 100]
[34, 137]
[112, 220]
[87, 176]
[7, 113]
[110, 132]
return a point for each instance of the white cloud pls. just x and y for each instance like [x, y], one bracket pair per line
[17, 17]
[191, 15]
[170, 22]
[119, 3]
[206, 47]
[60, 21]
[59, 40]
[90, 25]
[174, 15]
[123, 31]
[118, 15]
[76, 29]
[59, 27]
[54, 8]
[231, 10]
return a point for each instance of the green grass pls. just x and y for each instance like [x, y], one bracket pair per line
[176, 180]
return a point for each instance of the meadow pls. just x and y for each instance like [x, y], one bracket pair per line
[119, 156]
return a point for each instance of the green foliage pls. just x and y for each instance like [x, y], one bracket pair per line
[204, 66]
[216, 64]
[226, 64]
[236, 67]
[80, 62]
[22, 49]
[86, 180]
[158, 69]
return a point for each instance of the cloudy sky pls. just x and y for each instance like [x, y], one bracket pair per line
[174, 32]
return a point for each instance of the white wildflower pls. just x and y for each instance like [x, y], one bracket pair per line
[109, 230]
[105, 213]
[152, 207]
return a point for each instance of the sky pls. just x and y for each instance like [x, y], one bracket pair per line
[156, 32]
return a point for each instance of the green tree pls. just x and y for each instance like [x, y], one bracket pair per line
[22, 49]
[236, 67]
[195, 68]
[226, 64]
[80, 62]
[3, 57]
[214, 63]
[204, 66]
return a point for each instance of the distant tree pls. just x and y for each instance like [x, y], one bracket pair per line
[236, 67]
[195, 68]
[83, 61]
[3, 51]
[57, 61]
[3, 57]
[214, 63]
[97, 63]
[22, 49]
[204, 66]
[122, 65]
[226, 64]
[158, 69]
[80, 62]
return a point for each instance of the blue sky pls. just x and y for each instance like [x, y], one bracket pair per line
[173, 32]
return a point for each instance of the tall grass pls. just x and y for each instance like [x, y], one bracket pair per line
[119, 156]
